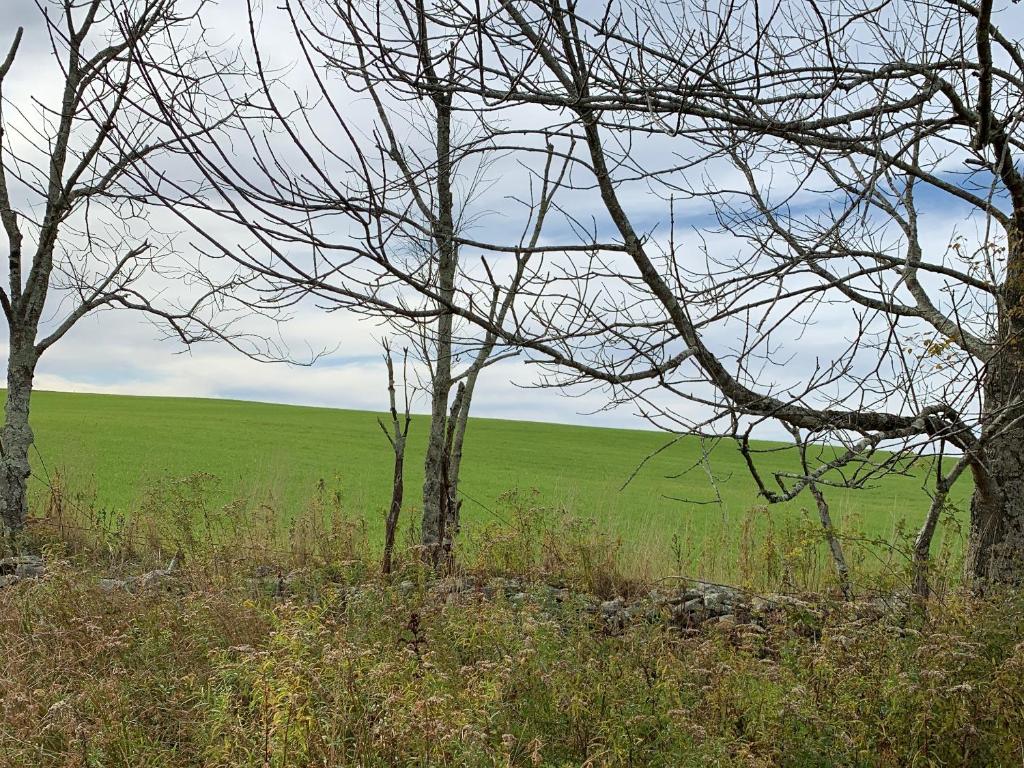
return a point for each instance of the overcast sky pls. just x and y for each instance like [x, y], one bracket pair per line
[119, 352]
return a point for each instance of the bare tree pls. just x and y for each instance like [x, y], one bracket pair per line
[398, 436]
[74, 216]
[805, 137]
[372, 211]
[798, 141]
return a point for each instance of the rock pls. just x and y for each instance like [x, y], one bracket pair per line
[508, 586]
[10, 565]
[689, 614]
[112, 585]
[716, 605]
[882, 605]
[614, 614]
[788, 601]
[759, 605]
[406, 587]
[750, 629]
[152, 578]
[499, 585]
[8, 579]
[611, 607]
[643, 611]
[686, 612]
[30, 570]
[696, 605]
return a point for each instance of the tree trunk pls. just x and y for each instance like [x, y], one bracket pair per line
[923, 547]
[995, 552]
[450, 503]
[397, 437]
[16, 440]
[834, 545]
[434, 466]
[397, 491]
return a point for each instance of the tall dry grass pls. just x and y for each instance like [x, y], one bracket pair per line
[215, 667]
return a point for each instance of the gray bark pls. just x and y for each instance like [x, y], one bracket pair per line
[995, 552]
[434, 486]
[433, 466]
[923, 543]
[397, 493]
[995, 549]
[92, 141]
[16, 440]
[450, 503]
[397, 437]
[834, 545]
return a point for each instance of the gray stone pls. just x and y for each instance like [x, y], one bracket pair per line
[644, 611]
[9, 565]
[153, 578]
[760, 605]
[696, 605]
[8, 579]
[689, 613]
[508, 586]
[30, 570]
[788, 601]
[610, 607]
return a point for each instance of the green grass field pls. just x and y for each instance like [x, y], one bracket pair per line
[115, 447]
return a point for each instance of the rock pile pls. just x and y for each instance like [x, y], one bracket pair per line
[687, 607]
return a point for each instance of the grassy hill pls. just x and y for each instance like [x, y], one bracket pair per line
[115, 447]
